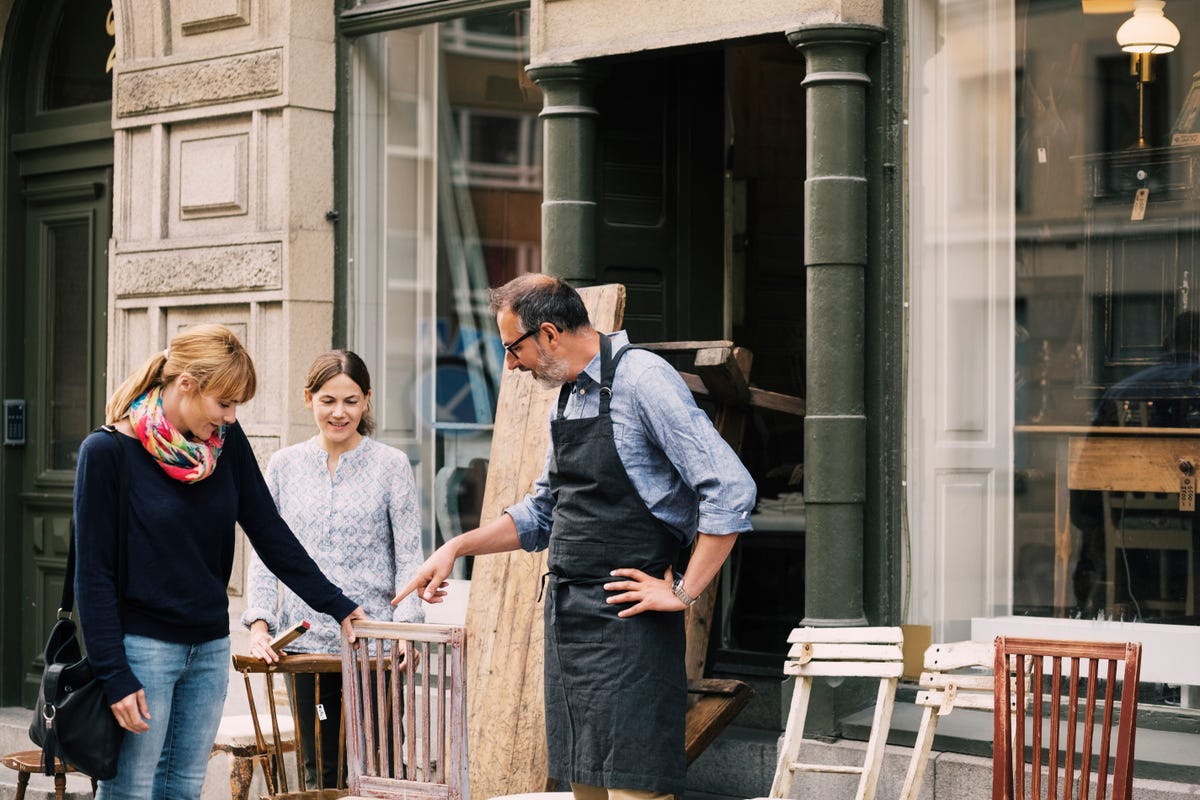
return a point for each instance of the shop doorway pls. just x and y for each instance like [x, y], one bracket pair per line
[700, 164]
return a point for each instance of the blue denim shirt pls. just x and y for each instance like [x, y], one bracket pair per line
[686, 474]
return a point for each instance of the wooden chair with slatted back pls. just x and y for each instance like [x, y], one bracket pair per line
[278, 742]
[1068, 712]
[406, 733]
[839, 653]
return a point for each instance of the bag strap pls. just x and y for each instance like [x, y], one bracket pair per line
[68, 592]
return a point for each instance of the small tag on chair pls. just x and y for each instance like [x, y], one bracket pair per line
[321, 711]
[1187, 493]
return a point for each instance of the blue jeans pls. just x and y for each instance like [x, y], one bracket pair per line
[185, 689]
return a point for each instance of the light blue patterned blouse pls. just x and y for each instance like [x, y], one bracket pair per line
[686, 474]
[362, 526]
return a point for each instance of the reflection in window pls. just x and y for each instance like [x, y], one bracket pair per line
[445, 202]
[1107, 328]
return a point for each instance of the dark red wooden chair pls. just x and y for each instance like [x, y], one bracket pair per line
[1076, 723]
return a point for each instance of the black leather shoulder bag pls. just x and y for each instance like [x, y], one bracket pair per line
[72, 720]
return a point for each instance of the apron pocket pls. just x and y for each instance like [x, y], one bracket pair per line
[579, 613]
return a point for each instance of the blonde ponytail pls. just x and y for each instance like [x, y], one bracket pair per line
[210, 353]
[133, 387]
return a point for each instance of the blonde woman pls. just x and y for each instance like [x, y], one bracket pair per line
[159, 642]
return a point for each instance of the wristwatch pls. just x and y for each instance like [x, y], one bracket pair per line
[685, 598]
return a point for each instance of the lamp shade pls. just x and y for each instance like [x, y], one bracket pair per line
[1148, 30]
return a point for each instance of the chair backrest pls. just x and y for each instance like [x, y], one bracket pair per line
[1079, 705]
[279, 741]
[955, 675]
[406, 733]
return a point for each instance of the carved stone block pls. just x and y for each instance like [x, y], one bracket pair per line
[198, 83]
[199, 270]
[213, 176]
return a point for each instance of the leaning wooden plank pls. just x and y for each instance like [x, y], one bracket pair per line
[759, 398]
[721, 369]
[665, 347]
[506, 732]
[717, 703]
[730, 422]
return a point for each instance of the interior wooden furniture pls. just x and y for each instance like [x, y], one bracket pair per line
[833, 653]
[29, 762]
[1121, 532]
[278, 742]
[406, 733]
[1075, 734]
[954, 675]
[1116, 459]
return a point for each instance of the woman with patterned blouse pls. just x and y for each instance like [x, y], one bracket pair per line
[352, 503]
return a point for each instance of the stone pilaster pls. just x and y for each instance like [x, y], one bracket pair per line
[835, 258]
[568, 183]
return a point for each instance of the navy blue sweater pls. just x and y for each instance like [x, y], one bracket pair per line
[180, 551]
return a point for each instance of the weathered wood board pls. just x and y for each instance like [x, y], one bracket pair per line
[506, 735]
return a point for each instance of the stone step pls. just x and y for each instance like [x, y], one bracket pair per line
[14, 737]
[739, 763]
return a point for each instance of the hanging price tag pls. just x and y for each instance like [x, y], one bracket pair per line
[1140, 199]
[321, 711]
[1041, 153]
[1187, 493]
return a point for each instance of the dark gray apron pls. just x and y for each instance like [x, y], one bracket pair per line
[616, 689]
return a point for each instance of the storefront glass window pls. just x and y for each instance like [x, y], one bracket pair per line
[445, 202]
[1055, 369]
[1107, 390]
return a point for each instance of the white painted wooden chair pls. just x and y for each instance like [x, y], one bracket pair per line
[839, 653]
[955, 675]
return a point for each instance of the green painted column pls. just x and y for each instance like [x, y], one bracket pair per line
[835, 260]
[568, 171]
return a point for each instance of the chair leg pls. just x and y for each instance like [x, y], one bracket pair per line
[60, 785]
[241, 772]
[22, 783]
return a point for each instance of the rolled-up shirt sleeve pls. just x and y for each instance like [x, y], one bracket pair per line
[535, 513]
[705, 462]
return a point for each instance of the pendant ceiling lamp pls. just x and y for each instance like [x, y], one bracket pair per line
[1148, 30]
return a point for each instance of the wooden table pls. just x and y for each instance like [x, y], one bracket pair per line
[1110, 459]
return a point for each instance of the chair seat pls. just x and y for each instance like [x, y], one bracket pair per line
[237, 730]
[30, 761]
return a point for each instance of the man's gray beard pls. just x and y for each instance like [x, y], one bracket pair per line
[550, 374]
[549, 382]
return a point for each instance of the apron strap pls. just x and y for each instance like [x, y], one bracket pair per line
[608, 368]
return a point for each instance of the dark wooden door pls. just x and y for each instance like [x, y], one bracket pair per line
[57, 217]
[660, 184]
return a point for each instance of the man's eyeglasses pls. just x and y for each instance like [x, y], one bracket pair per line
[512, 347]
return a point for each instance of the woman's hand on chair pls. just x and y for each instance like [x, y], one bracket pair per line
[260, 642]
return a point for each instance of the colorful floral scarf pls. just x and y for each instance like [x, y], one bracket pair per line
[183, 460]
